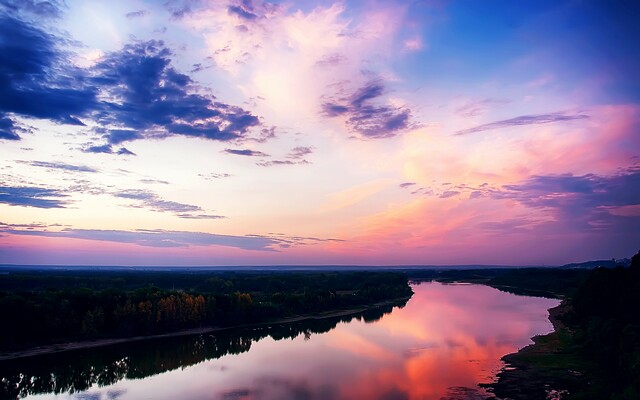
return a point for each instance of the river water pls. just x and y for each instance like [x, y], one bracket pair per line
[439, 345]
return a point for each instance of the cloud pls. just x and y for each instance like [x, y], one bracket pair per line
[150, 94]
[243, 11]
[295, 157]
[141, 95]
[107, 149]
[152, 201]
[477, 108]
[123, 151]
[117, 136]
[32, 197]
[155, 238]
[366, 119]
[281, 162]
[165, 238]
[8, 129]
[136, 14]
[583, 202]
[407, 184]
[35, 78]
[41, 9]
[537, 119]
[246, 152]
[154, 181]
[60, 165]
[214, 175]
[299, 152]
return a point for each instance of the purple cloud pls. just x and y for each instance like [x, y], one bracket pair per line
[366, 119]
[524, 120]
[32, 197]
[246, 152]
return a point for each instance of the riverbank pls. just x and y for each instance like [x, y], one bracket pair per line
[71, 346]
[548, 369]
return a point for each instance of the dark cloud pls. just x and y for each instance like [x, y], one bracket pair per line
[60, 165]
[8, 129]
[241, 12]
[137, 14]
[141, 94]
[152, 94]
[524, 120]
[366, 119]
[246, 152]
[150, 200]
[407, 184]
[32, 197]
[107, 149]
[117, 136]
[35, 78]
[123, 151]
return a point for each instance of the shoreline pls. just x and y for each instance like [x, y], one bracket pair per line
[88, 344]
[544, 369]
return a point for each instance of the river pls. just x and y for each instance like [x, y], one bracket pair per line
[439, 345]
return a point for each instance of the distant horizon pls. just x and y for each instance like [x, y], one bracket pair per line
[319, 132]
[319, 266]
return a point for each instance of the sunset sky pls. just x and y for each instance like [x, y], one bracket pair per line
[319, 132]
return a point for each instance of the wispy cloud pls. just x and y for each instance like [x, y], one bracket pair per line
[150, 200]
[136, 14]
[479, 107]
[60, 165]
[246, 152]
[167, 238]
[32, 197]
[295, 157]
[537, 119]
[213, 176]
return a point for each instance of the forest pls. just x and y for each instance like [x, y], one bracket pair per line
[61, 373]
[46, 308]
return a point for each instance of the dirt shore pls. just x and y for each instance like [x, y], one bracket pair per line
[545, 369]
[69, 346]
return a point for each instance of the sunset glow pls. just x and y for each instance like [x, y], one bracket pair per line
[244, 132]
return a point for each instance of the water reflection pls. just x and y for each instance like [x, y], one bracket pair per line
[441, 345]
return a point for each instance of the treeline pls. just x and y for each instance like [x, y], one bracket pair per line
[46, 313]
[78, 371]
[541, 282]
[605, 318]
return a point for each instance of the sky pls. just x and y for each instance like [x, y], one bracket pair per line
[240, 132]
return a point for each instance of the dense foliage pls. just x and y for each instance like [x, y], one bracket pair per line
[62, 307]
[72, 372]
[606, 320]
